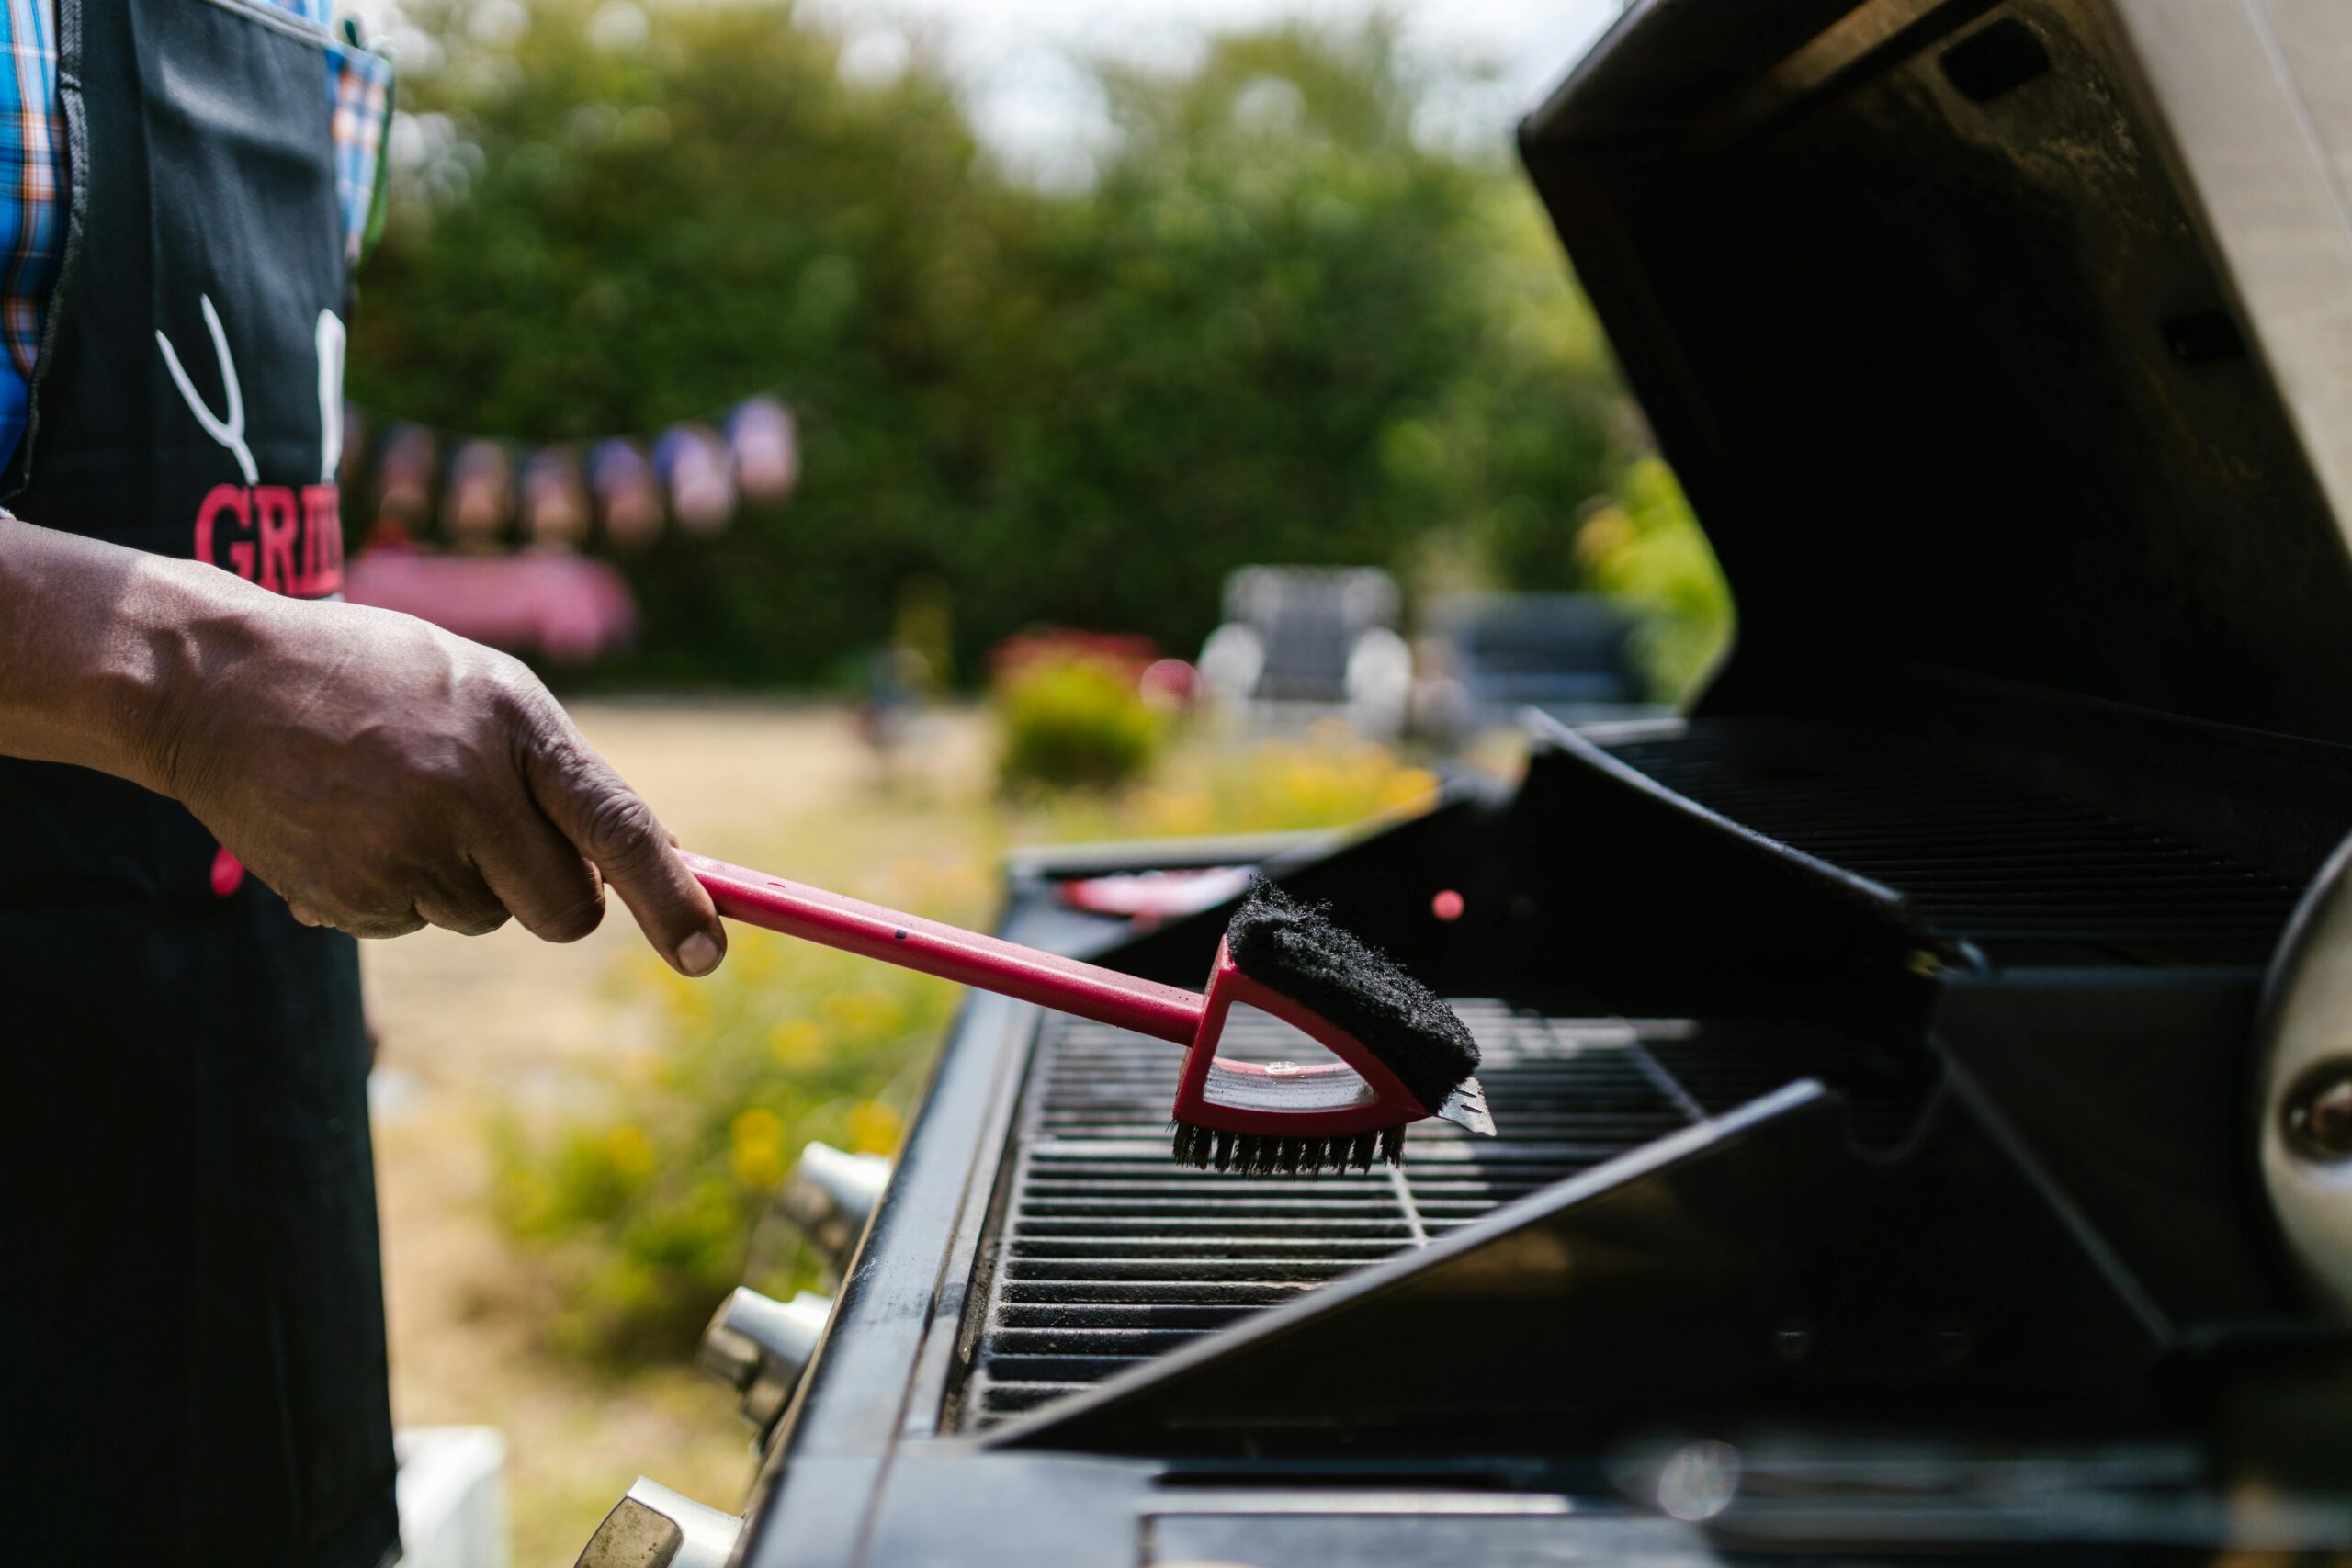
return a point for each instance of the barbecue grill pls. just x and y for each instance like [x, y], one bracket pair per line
[1922, 1122]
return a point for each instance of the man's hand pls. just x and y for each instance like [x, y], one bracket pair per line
[379, 773]
[382, 774]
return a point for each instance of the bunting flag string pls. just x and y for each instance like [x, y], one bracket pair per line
[411, 486]
[498, 540]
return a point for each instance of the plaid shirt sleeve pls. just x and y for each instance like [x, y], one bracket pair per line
[360, 95]
[359, 105]
[32, 174]
[32, 213]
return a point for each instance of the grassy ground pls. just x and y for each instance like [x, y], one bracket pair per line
[483, 1037]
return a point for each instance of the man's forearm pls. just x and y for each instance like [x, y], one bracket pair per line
[94, 641]
[373, 771]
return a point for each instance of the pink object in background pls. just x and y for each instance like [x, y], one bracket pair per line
[694, 466]
[1131, 652]
[1170, 683]
[481, 495]
[228, 873]
[1151, 896]
[555, 500]
[766, 449]
[567, 607]
[404, 480]
[626, 497]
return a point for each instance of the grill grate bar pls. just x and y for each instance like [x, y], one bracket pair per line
[1209, 1264]
[1003, 1400]
[1089, 1341]
[1108, 1254]
[1123, 1315]
[1060, 1294]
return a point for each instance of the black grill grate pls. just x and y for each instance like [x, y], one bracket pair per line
[1108, 1253]
[1977, 858]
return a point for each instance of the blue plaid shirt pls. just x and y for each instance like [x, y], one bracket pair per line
[32, 176]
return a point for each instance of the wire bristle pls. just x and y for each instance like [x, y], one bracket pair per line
[1264, 1154]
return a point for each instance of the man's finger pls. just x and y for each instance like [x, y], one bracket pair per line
[618, 832]
[536, 872]
[467, 918]
[457, 898]
[375, 925]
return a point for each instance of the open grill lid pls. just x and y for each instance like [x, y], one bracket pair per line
[2005, 339]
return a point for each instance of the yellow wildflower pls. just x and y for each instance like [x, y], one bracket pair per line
[797, 1044]
[758, 1127]
[861, 1013]
[757, 1165]
[873, 1128]
[629, 1150]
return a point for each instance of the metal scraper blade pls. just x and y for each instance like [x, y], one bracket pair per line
[1467, 1109]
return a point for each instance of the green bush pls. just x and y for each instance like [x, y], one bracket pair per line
[1075, 722]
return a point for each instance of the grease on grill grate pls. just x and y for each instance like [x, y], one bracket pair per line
[1996, 863]
[1109, 1254]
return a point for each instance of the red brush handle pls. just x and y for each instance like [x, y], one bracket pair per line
[1168, 1012]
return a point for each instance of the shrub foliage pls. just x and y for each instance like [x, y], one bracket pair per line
[1074, 721]
[1275, 325]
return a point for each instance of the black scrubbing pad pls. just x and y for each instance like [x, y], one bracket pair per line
[1296, 949]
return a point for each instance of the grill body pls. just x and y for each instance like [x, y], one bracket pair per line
[1046, 1319]
[1872, 1049]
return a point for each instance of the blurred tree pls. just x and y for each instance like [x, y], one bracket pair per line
[1645, 545]
[1533, 422]
[1276, 326]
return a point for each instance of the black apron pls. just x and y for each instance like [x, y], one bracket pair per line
[192, 1365]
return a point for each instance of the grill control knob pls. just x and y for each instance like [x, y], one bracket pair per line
[831, 1195]
[2306, 1085]
[758, 1347]
[652, 1527]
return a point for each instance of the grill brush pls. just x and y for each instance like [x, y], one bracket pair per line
[1402, 1053]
